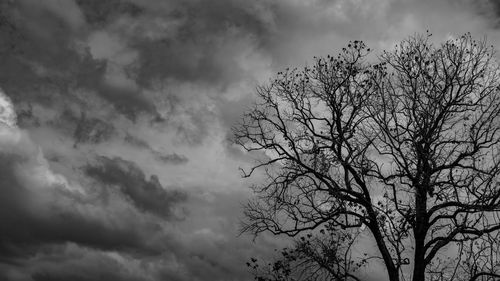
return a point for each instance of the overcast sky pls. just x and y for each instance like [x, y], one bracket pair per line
[115, 154]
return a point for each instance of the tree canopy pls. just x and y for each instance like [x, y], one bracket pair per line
[402, 149]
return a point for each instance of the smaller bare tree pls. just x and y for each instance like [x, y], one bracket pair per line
[325, 255]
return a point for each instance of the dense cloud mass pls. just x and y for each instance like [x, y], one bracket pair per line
[115, 154]
[148, 195]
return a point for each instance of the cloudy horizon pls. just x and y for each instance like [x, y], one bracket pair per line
[115, 123]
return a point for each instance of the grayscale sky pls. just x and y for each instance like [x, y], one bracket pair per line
[116, 161]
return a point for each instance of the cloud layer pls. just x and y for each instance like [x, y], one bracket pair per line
[115, 153]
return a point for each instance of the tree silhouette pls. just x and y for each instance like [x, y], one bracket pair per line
[404, 150]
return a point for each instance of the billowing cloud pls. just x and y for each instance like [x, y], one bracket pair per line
[148, 195]
[41, 209]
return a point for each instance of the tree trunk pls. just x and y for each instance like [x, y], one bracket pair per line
[419, 265]
[420, 232]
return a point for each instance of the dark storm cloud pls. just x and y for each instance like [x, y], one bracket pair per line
[148, 195]
[72, 262]
[43, 61]
[184, 60]
[29, 223]
[490, 9]
[88, 274]
[99, 13]
[129, 102]
[93, 130]
[36, 43]
[54, 229]
[167, 158]
[172, 158]
[199, 49]
[46, 60]
[136, 141]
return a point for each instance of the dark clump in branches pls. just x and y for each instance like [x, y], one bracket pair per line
[404, 151]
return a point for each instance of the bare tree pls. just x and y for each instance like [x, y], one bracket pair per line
[407, 147]
[324, 256]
